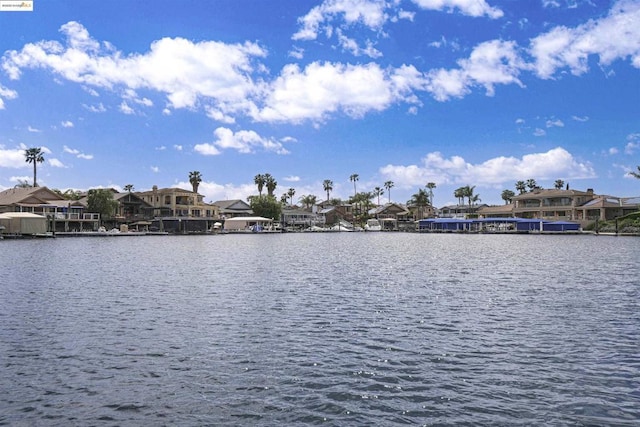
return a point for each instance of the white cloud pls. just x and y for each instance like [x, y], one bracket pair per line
[185, 71]
[372, 14]
[95, 108]
[555, 123]
[6, 94]
[124, 108]
[580, 118]
[613, 150]
[206, 149]
[77, 153]
[55, 163]
[633, 143]
[32, 129]
[539, 132]
[292, 178]
[616, 36]
[67, 124]
[499, 170]
[324, 88]
[474, 8]
[490, 63]
[13, 157]
[242, 141]
[178, 147]
[155, 169]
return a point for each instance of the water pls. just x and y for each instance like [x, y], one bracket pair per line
[334, 329]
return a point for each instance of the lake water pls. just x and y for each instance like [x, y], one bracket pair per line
[341, 329]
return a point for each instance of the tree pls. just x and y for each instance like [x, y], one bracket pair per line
[195, 178]
[271, 184]
[377, 192]
[308, 201]
[420, 200]
[558, 184]
[101, 201]
[507, 195]
[354, 178]
[388, 186]
[259, 181]
[635, 174]
[430, 186]
[327, 184]
[458, 193]
[291, 193]
[35, 156]
[128, 188]
[266, 206]
[467, 191]
[521, 186]
[22, 183]
[532, 184]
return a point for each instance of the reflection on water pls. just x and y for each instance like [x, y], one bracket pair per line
[342, 329]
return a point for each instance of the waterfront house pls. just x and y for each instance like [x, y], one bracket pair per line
[460, 211]
[295, 217]
[233, 208]
[390, 214]
[499, 211]
[607, 208]
[551, 204]
[62, 214]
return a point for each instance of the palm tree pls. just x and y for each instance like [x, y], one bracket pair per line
[327, 184]
[270, 183]
[521, 186]
[35, 156]
[308, 201]
[259, 181]
[431, 186]
[458, 193]
[635, 174]
[290, 193]
[353, 178]
[467, 191]
[195, 178]
[377, 192]
[128, 188]
[532, 184]
[558, 184]
[507, 195]
[420, 199]
[389, 185]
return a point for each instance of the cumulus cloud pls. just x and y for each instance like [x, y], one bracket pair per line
[499, 170]
[475, 8]
[12, 157]
[55, 163]
[369, 13]
[183, 70]
[323, 88]
[490, 63]
[616, 36]
[242, 141]
[67, 124]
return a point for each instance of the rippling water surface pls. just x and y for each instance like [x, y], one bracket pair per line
[334, 329]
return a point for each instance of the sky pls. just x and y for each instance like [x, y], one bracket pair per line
[455, 92]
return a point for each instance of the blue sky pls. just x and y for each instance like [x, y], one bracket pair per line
[456, 92]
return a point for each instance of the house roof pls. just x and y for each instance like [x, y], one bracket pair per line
[234, 205]
[542, 193]
[33, 196]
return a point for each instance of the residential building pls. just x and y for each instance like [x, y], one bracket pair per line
[233, 208]
[551, 204]
[176, 202]
[62, 214]
[295, 217]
